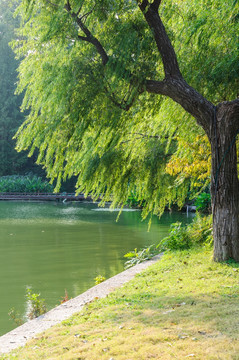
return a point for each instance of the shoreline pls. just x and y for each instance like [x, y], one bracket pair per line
[20, 335]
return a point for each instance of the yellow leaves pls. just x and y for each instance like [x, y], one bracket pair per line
[192, 160]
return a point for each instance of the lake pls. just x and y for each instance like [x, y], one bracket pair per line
[52, 247]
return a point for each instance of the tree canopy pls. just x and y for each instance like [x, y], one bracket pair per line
[103, 96]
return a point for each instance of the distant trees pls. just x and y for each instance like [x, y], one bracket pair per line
[11, 162]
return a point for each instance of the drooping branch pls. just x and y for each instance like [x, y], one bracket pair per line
[88, 35]
[52, 4]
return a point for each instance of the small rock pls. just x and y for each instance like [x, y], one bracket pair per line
[182, 336]
[105, 349]
[168, 311]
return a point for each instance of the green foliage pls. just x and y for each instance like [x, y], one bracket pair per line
[136, 257]
[201, 230]
[99, 279]
[36, 305]
[186, 236]
[203, 202]
[24, 184]
[178, 238]
[15, 316]
[76, 106]
[132, 201]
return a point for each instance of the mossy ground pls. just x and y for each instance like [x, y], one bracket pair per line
[185, 306]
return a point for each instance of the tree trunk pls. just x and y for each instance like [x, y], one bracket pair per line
[224, 183]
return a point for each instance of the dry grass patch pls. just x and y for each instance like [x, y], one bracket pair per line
[183, 307]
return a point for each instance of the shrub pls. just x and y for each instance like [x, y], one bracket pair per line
[24, 184]
[36, 305]
[203, 203]
[200, 230]
[15, 316]
[181, 237]
[185, 236]
[178, 238]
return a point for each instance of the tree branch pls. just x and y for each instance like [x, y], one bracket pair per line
[166, 50]
[182, 93]
[155, 5]
[174, 86]
[89, 37]
[83, 38]
[85, 15]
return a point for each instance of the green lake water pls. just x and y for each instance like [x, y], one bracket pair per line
[53, 247]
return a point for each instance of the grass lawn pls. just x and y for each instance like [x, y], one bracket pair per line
[185, 306]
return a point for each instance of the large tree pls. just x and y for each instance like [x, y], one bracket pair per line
[107, 97]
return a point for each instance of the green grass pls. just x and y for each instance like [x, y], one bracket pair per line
[185, 306]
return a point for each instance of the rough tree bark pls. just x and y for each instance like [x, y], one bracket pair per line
[224, 181]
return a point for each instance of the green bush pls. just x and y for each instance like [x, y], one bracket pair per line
[185, 236]
[200, 230]
[24, 184]
[181, 237]
[203, 203]
[36, 305]
[178, 238]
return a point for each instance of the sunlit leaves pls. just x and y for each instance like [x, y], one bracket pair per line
[95, 121]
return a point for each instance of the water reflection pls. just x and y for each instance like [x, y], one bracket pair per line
[53, 246]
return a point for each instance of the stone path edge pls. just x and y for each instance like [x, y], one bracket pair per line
[19, 336]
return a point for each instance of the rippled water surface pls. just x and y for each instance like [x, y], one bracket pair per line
[53, 247]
